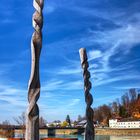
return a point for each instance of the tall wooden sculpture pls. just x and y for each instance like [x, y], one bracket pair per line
[89, 130]
[32, 121]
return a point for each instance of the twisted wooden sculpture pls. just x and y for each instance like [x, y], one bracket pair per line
[89, 130]
[32, 122]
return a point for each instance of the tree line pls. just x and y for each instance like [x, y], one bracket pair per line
[125, 107]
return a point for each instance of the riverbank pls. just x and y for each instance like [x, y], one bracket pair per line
[98, 131]
[117, 132]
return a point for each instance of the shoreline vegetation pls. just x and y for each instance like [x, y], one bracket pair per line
[125, 108]
[117, 132]
[102, 131]
[98, 131]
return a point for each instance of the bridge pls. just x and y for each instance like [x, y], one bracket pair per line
[50, 131]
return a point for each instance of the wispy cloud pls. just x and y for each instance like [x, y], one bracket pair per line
[108, 98]
[12, 95]
[62, 85]
[61, 109]
[67, 71]
[94, 54]
[49, 7]
[116, 79]
[112, 43]
[74, 102]
[129, 86]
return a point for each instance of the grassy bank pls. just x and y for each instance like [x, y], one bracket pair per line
[98, 131]
[117, 132]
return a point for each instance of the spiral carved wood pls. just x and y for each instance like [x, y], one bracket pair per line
[89, 130]
[32, 120]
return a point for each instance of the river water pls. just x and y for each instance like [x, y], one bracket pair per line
[97, 137]
[80, 137]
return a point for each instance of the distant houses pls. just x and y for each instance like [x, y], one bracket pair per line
[55, 123]
[81, 123]
[116, 123]
[65, 124]
[124, 124]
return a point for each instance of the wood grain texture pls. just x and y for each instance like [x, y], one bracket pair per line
[59, 139]
[32, 119]
[89, 130]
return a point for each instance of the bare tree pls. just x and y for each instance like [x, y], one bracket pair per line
[115, 108]
[133, 95]
[20, 120]
[8, 132]
[79, 118]
[97, 115]
[42, 122]
[6, 123]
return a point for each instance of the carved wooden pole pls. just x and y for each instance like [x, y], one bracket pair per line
[89, 130]
[32, 120]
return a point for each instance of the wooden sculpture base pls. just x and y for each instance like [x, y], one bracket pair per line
[15, 139]
[43, 139]
[59, 139]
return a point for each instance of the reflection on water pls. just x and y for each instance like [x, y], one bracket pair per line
[124, 138]
[80, 137]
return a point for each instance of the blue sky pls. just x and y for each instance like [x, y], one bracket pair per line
[108, 29]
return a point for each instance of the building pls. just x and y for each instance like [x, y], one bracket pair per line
[115, 123]
[56, 123]
[82, 123]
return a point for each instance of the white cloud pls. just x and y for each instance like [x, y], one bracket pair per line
[127, 87]
[108, 80]
[12, 98]
[67, 71]
[59, 110]
[48, 9]
[126, 36]
[74, 102]
[93, 66]
[94, 54]
[53, 85]
[108, 99]
[113, 41]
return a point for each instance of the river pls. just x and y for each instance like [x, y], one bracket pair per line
[80, 137]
